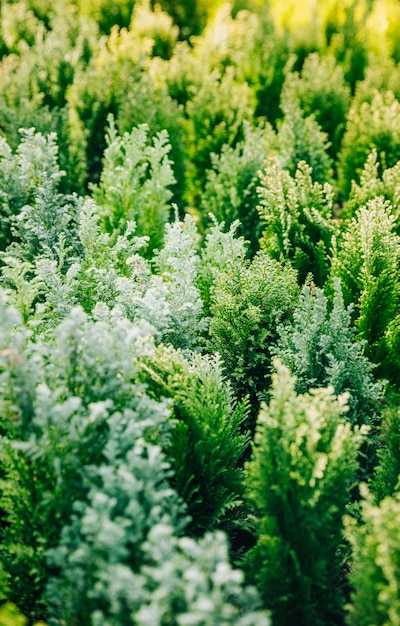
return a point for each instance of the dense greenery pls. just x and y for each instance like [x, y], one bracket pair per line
[199, 313]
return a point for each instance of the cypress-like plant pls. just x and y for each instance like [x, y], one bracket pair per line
[300, 138]
[375, 571]
[319, 348]
[297, 219]
[248, 301]
[230, 192]
[370, 125]
[323, 92]
[221, 251]
[366, 260]
[207, 444]
[374, 183]
[386, 476]
[134, 183]
[304, 461]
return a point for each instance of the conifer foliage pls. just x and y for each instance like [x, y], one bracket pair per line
[199, 313]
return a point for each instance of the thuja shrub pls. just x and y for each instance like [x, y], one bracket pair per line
[151, 22]
[18, 27]
[386, 476]
[297, 219]
[106, 17]
[220, 253]
[208, 441]
[370, 125]
[177, 264]
[22, 172]
[215, 113]
[375, 572]
[73, 263]
[148, 102]
[97, 90]
[247, 303]
[163, 579]
[374, 183]
[304, 461]
[300, 138]
[382, 74]
[58, 398]
[135, 182]
[322, 91]
[47, 227]
[367, 262]
[191, 16]
[34, 83]
[231, 188]
[246, 40]
[106, 274]
[319, 348]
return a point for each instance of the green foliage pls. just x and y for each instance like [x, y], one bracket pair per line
[319, 349]
[106, 15]
[96, 92]
[372, 185]
[248, 302]
[304, 460]
[86, 497]
[300, 138]
[22, 173]
[157, 25]
[134, 183]
[180, 581]
[140, 347]
[190, 15]
[34, 83]
[367, 262]
[59, 400]
[375, 572]
[216, 114]
[207, 444]
[18, 27]
[231, 188]
[148, 102]
[106, 275]
[106, 260]
[322, 91]
[48, 227]
[382, 74]
[177, 264]
[297, 214]
[21, 285]
[387, 472]
[10, 616]
[220, 252]
[370, 125]
[346, 36]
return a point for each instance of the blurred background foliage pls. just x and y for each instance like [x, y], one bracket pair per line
[202, 70]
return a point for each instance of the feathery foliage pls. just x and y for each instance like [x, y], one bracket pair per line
[230, 192]
[248, 302]
[375, 573]
[296, 216]
[134, 183]
[300, 138]
[386, 476]
[372, 185]
[370, 125]
[304, 461]
[319, 348]
[207, 443]
[367, 262]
